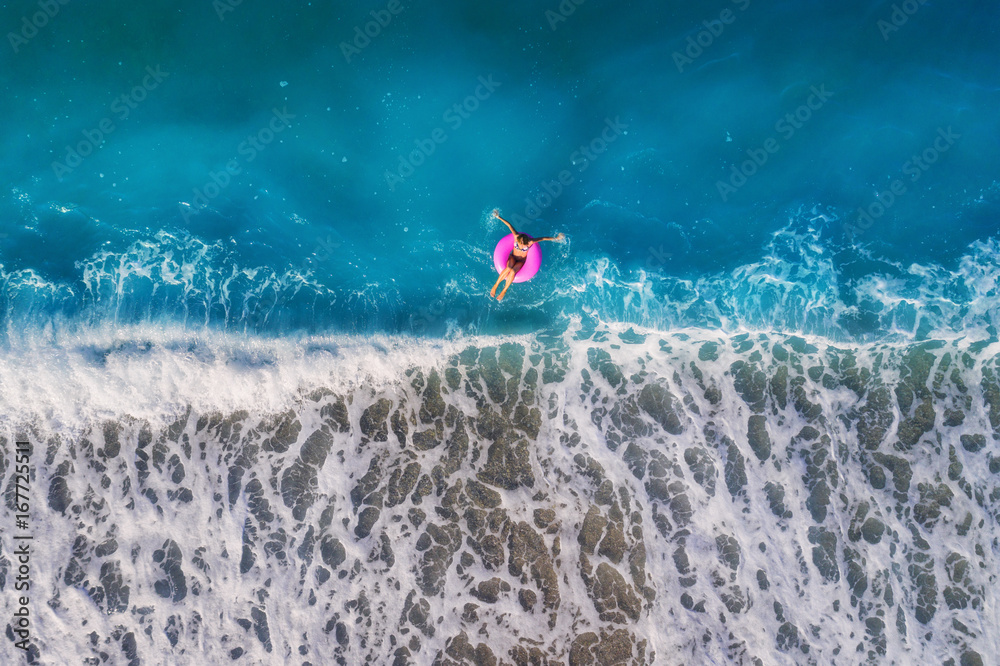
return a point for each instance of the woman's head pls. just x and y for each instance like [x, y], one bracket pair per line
[522, 239]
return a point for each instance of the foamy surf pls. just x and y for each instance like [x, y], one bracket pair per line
[683, 497]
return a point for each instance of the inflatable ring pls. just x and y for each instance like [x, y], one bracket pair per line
[531, 263]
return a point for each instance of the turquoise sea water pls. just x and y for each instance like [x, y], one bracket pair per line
[230, 225]
[317, 217]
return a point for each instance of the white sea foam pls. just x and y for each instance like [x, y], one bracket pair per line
[155, 373]
[227, 390]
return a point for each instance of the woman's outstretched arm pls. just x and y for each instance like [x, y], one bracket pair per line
[496, 214]
[550, 238]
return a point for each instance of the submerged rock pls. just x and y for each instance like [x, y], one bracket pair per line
[757, 435]
[374, 422]
[736, 473]
[702, 467]
[508, 465]
[750, 383]
[656, 400]
[973, 443]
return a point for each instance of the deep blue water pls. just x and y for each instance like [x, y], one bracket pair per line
[320, 225]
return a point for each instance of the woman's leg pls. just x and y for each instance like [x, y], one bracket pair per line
[503, 274]
[510, 281]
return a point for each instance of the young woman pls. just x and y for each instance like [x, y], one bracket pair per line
[518, 254]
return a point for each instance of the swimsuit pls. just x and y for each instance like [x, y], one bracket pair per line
[514, 261]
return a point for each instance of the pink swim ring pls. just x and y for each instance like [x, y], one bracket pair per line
[531, 263]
